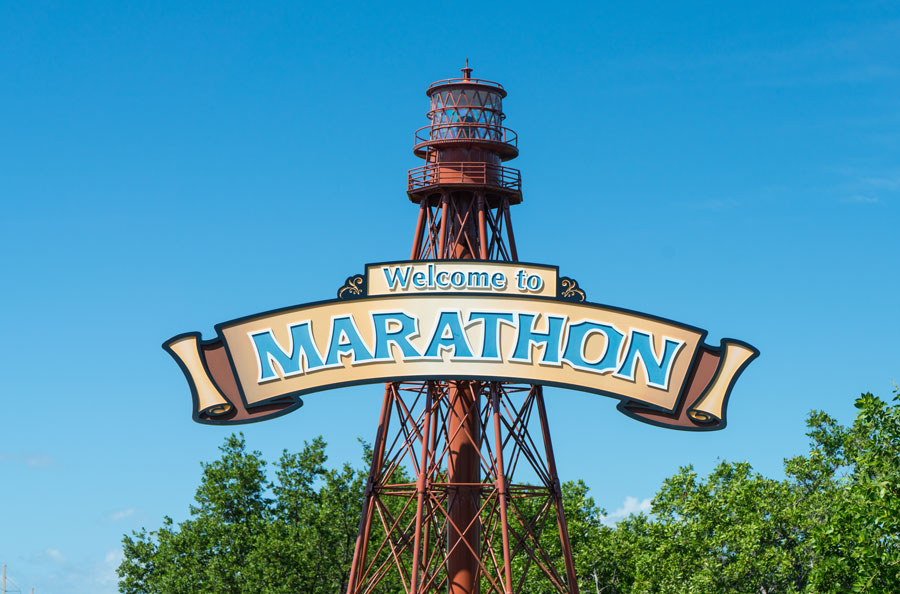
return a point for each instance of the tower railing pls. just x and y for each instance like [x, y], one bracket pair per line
[466, 81]
[465, 131]
[463, 172]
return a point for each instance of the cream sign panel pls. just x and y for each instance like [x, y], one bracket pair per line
[474, 337]
[465, 321]
[451, 277]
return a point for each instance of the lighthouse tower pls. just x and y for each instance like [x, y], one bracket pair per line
[463, 178]
[442, 511]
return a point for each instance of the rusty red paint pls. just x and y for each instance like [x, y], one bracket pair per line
[457, 524]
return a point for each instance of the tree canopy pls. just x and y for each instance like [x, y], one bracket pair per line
[832, 524]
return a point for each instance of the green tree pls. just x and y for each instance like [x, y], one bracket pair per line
[247, 534]
[858, 541]
[831, 525]
[586, 532]
[735, 531]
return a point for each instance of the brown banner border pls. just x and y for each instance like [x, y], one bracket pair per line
[241, 412]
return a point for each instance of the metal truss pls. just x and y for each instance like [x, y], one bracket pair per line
[463, 225]
[442, 511]
[408, 531]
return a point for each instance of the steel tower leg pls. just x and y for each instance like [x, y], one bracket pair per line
[421, 493]
[502, 488]
[464, 476]
[365, 520]
[557, 492]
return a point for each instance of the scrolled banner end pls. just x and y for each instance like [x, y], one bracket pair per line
[214, 390]
[703, 406]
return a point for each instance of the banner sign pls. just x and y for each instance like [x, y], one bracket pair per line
[461, 320]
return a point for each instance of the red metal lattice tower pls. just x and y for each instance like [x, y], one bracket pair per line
[442, 511]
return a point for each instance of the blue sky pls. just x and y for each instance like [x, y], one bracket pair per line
[729, 165]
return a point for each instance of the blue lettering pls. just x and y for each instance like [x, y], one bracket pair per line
[640, 348]
[527, 336]
[399, 337]
[520, 279]
[478, 279]
[269, 353]
[490, 348]
[577, 338]
[398, 277]
[449, 335]
[345, 339]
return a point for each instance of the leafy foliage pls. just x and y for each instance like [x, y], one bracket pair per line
[831, 525]
[246, 534]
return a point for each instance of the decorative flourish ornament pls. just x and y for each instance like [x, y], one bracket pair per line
[568, 290]
[352, 287]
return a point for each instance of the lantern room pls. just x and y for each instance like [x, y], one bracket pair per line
[465, 142]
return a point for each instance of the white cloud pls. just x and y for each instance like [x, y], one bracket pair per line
[90, 575]
[32, 459]
[121, 514]
[106, 575]
[53, 556]
[865, 199]
[631, 505]
[887, 183]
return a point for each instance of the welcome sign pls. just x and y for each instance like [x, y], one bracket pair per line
[461, 320]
